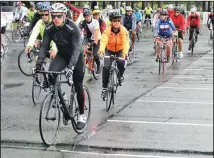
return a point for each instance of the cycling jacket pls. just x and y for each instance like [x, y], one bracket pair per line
[138, 16]
[67, 39]
[19, 13]
[115, 42]
[193, 20]
[129, 22]
[39, 29]
[164, 28]
[178, 21]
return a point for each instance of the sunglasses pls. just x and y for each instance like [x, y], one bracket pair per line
[177, 12]
[58, 16]
[116, 20]
[44, 14]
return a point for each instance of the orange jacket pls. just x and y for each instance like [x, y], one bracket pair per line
[115, 42]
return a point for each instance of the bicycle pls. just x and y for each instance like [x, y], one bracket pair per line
[28, 59]
[54, 102]
[131, 54]
[113, 81]
[175, 48]
[4, 47]
[3, 54]
[89, 60]
[193, 40]
[139, 32]
[162, 58]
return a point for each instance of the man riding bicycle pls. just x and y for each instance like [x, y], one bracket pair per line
[92, 29]
[66, 34]
[193, 22]
[179, 21]
[19, 12]
[164, 28]
[39, 29]
[148, 12]
[115, 41]
[210, 22]
[129, 22]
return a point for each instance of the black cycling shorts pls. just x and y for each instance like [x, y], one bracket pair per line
[180, 35]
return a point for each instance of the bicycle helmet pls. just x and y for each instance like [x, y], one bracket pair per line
[96, 12]
[86, 6]
[177, 9]
[38, 5]
[193, 10]
[45, 7]
[86, 13]
[58, 8]
[32, 5]
[163, 12]
[128, 8]
[19, 3]
[114, 15]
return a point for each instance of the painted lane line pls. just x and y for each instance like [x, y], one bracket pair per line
[162, 123]
[194, 69]
[186, 88]
[174, 102]
[192, 78]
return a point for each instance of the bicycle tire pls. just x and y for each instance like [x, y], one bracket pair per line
[16, 32]
[192, 46]
[3, 55]
[20, 62]
[95, 75]
[88, 108]
[45, 141]
[109, 92]
[34, 98]
[115, 87]
[160, 63]
[163, 62]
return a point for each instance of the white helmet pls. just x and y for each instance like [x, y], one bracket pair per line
[96, 7]
[86, 6]
[128, 8]
[170, 6]
[58, 8]
[193, 10]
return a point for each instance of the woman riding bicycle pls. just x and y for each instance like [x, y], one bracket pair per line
[115, 41]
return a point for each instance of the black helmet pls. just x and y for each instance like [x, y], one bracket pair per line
[177, 9]
[86, 13]
[114, 15]
[163, 12]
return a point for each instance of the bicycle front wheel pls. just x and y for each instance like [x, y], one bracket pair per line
[37, 90]
[110, 92]
[74, 109]
[192, 48]
[16, 33]
[160, 63]
[26, 63]
[49, 119]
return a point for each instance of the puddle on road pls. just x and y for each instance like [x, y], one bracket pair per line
[12, 85]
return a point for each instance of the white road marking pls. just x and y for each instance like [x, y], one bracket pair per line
[162, 123]
[174, 102]
[186, 88]
[188, 77]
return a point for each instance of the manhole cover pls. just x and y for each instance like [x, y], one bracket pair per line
[11, 85]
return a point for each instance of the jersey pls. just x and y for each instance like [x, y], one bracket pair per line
[148, 10]
[129, 22]
[164, 28]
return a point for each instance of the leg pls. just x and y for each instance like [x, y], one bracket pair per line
[150, 21]
[158, 49]
[180, 44]
[133, 38]
[121, 67]
[169, 50]
[146, 16]
[96, 56]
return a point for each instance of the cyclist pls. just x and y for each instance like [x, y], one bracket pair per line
[179, 21]
[164, 28]
[193, 22]
[19, 12]
[97, 15]
[92, 29]
[138, 15]
[129, 22]
[36, 17]
[148, 12]
[81, 17]
[66, 34]
[170, 10]
[39, 29]
[156, 17]
[115, 41]
[122, 9]
[31, 12]
[210, 22]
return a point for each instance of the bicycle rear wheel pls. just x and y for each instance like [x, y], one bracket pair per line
[49, 119]
[25, 63]
[74, 109]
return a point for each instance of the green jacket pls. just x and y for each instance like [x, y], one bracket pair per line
[30, 14]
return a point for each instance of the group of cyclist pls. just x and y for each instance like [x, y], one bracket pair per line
[61, 39]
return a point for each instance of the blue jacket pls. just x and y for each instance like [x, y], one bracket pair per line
[129, 22]
[164, 28]
[138, 15]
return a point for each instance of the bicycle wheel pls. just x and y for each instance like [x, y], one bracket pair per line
[114, 87]
[95, 75]
[2, 54]
[16, 33]
[160, 62]
[174, 54]
[110, 91]
[74, 109]
[50, 115]
[26, 63]
[163, 61]
[192, 45]
[36, 90]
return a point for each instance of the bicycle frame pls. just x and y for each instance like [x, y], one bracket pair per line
[89, 56]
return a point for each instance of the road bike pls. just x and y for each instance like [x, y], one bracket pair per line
[132, 55]
[54, 102]
[175, 48]
[193, 40]
[113, 81]
[18, 31]
[90, 63]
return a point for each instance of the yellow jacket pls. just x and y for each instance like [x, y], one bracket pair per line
[115, 42]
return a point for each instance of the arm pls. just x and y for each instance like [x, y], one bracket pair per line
[125, 43]
[133, 22]
[188, 21]
[96, 31]
[53, 46]
[77, 47]
[22, 13]
[172, 25]
[44, 48]
[141, 18]
[182, 23]
[104, 41]
[156, 28]
[34, 35]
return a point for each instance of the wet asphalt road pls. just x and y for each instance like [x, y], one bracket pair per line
[167, 115]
